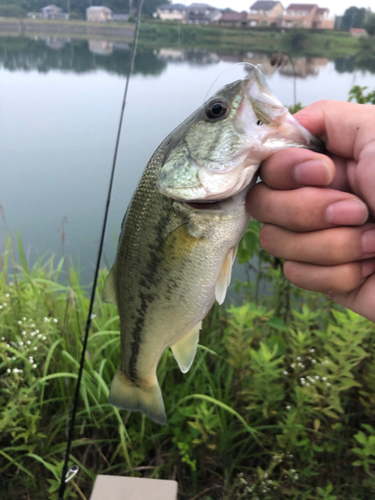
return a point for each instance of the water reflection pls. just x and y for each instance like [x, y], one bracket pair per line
[79, 56]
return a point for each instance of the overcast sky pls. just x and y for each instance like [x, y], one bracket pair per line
[337, 7]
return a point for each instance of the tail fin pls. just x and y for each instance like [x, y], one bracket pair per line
[126, 395]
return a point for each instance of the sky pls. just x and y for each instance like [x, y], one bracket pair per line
[336, 7]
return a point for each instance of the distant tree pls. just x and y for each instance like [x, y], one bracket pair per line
[354, 18]
[10, 10]
[370, 25]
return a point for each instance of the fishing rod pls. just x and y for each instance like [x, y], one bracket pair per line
[68, 474]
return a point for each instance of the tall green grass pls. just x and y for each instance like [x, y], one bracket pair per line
[279, 402]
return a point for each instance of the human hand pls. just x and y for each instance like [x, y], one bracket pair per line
[315, 209]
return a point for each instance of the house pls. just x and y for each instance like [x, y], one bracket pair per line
[201, 13]
[53, 12]
[358, 32]
[307, 15]
[98, 14]
[171, 12]
[234, 18]
[266, 13]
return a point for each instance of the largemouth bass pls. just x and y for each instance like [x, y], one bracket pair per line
[180, 233]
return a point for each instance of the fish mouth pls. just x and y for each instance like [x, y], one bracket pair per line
[205, 205]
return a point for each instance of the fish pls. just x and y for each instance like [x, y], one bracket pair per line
[180, 234]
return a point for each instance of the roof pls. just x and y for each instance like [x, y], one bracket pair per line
[322, 10]
[263, 5]
[233, 16]
[100, 7]
[51, 7]
[302, 6]
[172, 6]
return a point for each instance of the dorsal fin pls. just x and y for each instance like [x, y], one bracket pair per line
[109, 290]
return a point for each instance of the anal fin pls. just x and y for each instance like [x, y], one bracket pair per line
[184, 350]
[223, 279]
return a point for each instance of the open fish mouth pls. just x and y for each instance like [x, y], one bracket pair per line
[206, 205]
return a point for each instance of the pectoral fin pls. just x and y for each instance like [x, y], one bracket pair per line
[223, 279]
[109, 291]
[184, 350]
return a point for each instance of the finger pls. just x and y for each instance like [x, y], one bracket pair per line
[305, 209]
[293, 167]
[329, 279]
[361, 299]
[328, 247]
[346, 127]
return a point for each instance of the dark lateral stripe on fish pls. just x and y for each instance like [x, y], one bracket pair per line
[145, 296]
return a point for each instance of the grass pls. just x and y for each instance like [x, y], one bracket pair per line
[278, 403]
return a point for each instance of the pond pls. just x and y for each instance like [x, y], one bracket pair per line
[60, 103]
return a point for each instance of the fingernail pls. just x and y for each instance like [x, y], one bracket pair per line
[368, 241]
[347, 212]
[368, 267]
[313, 172]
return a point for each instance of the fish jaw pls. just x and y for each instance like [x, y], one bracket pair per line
[258, 125]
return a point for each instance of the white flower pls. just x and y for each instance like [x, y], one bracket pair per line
[21, 343]
[317, 377]
[55, 320]
[35, 348]
[39, 336]
[328, 384]
[298, 359]
[324, 378]
[36, 331]
[14, 357]
[44, 337]
[7, 295]
[286, 373]
[32, 326]
[19, 322]
[46, 319]
[8, 345]
[5, 304]
[93, 316]
[2, 307]
[308, 385]
[24, 333]
[288, 407]
[34, 366]
[28, 342]
[312, 350]
[8, 370]
[2, 338]
[292, 365]
[314, 361]
[24, 319]
[15, 370]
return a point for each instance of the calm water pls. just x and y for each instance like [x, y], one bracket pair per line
[59, 109]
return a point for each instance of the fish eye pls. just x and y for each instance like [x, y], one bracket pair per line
[216, 109]
[259, 122]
